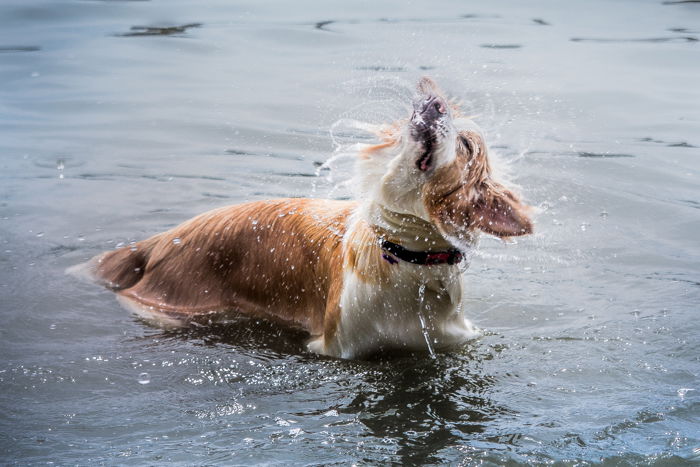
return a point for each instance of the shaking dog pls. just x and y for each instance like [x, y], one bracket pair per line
[379, 273]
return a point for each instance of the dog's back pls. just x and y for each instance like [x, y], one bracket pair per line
[273, 259]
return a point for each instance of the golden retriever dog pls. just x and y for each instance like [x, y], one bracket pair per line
[359, 277]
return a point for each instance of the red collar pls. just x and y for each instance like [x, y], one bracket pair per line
[451, 256]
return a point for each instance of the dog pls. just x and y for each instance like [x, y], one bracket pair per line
[359, 277]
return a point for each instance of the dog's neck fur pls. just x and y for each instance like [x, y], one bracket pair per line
[407, 230]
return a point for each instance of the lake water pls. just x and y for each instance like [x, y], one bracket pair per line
[120, 119]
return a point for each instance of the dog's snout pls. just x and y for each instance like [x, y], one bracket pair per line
[439, 105]
[431, 107]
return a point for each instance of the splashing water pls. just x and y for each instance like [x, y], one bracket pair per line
[337, 171]
[423, 324]
[382, 100]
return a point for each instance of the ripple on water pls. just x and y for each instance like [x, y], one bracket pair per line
[641, 39]
[177, 30]
[501, 46]
[592, 356]
[19, 48]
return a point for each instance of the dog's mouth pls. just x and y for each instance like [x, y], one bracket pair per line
[429, 125]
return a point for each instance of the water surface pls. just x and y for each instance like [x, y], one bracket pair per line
[120, 119]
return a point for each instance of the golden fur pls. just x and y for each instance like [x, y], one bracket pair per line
[318, 265]
[222, 260]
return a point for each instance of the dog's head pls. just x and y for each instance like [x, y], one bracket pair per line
[435, 166]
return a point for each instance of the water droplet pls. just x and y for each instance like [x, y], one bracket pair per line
[423, 324]
[40, 234]
[144, 378]
[176, 241]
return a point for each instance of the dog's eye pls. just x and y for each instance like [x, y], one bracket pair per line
[467, 144]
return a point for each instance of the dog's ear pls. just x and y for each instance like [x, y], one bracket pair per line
[426, 86]
[499, 212]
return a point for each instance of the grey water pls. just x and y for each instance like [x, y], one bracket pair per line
[120, 119]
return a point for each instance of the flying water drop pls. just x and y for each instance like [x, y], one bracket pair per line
[423, 324]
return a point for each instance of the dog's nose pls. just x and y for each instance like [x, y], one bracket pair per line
[432, 107]
[439, 104]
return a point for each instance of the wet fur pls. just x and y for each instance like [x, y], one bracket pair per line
[317, 265]
[271, 259]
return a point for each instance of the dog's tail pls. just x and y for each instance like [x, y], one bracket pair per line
[119, 269]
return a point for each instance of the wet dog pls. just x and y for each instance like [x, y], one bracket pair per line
[359, 277]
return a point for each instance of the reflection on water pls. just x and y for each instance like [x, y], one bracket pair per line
[591, 350]
[242, 333]
[418, 406]
[426, 407]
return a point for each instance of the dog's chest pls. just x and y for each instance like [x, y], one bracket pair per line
[416, 304]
